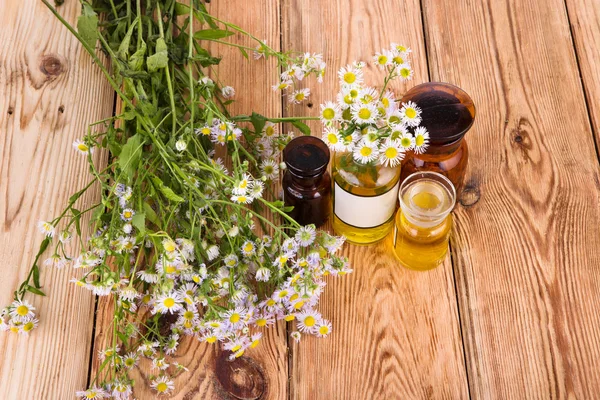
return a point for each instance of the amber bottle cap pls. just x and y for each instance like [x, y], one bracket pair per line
[448, 111]
[306, 156]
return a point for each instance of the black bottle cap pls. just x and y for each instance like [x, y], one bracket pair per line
[306, 156]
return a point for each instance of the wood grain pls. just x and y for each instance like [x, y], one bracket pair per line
[584, 17]
[527, 249]
[395, 332]
[47, 86]
[262, 372]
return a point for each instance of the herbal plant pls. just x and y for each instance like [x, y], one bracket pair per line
[177, 233]
[371, 126]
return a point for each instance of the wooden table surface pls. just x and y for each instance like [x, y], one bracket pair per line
[514, 313]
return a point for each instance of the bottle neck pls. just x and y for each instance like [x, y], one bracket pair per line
[444, 148]
[305, 181]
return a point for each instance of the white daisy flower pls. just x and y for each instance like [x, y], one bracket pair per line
[388, 100]
[259, 52]
[405, 71]
[296, 336]
[92, 394]
[231, 260]
[364, 113]
[162, 384]
[365, 152]
[127, 214]
[255, 339]
[21, 310]
[243, 184]
[350, 75]
[65, 237]
[83, 148]
[213, 252]
[263, 274]
[148, 277]
[46, 228]
[368, 95]
[241, 199]
[169, 245]
[227, 92]
[235, 316]
[269, 169]
[383, 59]
[421, 140]
[399, 57]
[270, 129]
[400, 48]
[407, 141]
[411, 114]
[257, 189]
[298, 96]
[306, 235]
[391, 153]
[332, 138]
[121, 390]
[323, 328]
[248, 248]
[283, 85]
[204, 131]
[168, 303]
[330, 112]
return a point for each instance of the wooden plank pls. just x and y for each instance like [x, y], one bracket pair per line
[527, 249]
[395, 332]
[584, 17]
[47, 84]
[262, 372]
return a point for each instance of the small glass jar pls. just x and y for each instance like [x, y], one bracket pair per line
[364, 199]
[448, 113]
[423, 223]
[306, 182]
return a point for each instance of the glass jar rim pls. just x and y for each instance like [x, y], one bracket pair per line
[415, 211]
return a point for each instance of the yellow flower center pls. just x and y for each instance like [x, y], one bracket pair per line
[236, 348]
[324, 330]
[328, 113]
[234, 318]
[239, 354]
[411, 113]
[332, 138]
[169, 302]
[28, 326]
[82, 147]
[242, 199]
[299, 96]
[243, 184]
[391, 153]
[261, 322]
[394, 119]
[129, 362]
[127, 214]
[91, 395]
[248, 247]
[254, 343]
[419, 140]
[169, 269]
[283, 293]
[294, 297]
[405, 72]
[386, 102]
[211, 339]
[366, 151]
[398, 60]
[283, 85]
[298, 305]
[205, 131]
[161, 387]
[289, 318]
[309, 321]
[382, 59]
[270, 131]
[271, 302]
[22, 310]
[169, 246]
[349, 77]
[188, 315]
[364, 113]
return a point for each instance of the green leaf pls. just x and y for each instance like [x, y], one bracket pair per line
[36, 276]
[123, 51]
[35, 290]
[74, 197]
[205, 59]
[209, 34]
[151, 214]
[182, 9]
[302, 127]
[165, 190]
[77, 219]
[139, 221]
[244, 53]
[98, 211]
[87, 25]
[44, 245]
[258, 121]
[160, 59]
[129, 159]
[136, 61]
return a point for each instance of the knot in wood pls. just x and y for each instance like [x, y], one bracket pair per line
[51, 65]
[470, 195]
[241, 378]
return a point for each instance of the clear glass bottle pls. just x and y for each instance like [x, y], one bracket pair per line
[448, 113]
[306, 182]
[364, 199]
[423, 223]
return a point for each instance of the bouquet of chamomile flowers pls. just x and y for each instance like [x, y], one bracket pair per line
[372, 124]
[181, 239]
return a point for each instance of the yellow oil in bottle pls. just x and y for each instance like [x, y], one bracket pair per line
[423, 223]
[364, 199]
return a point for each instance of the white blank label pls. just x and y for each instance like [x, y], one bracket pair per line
[364, 212]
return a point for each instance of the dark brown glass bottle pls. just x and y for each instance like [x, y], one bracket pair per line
[306, 182]
[448, 113]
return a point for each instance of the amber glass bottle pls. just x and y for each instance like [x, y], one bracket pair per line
[306, 182]
[448, 113]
